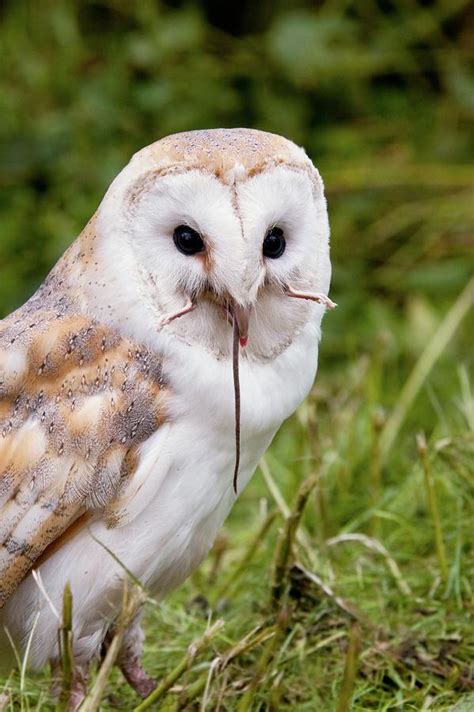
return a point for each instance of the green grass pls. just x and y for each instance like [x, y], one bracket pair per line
[367, 533]
[377, 614]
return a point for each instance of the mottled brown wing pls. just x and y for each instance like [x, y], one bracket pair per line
[76, 401]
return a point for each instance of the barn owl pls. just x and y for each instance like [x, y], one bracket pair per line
[143, 381]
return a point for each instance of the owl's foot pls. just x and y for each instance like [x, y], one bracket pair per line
[136, 677]
[130, 656]
[78, 689]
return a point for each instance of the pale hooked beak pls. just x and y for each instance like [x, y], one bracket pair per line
[241, 315]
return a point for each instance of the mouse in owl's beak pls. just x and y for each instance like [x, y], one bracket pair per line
[239, 317]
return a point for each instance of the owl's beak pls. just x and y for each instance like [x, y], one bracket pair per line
[241, 315]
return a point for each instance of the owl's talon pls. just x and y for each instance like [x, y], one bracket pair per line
[129, 659]
[78, 693]
[137, 678]
[78, 690]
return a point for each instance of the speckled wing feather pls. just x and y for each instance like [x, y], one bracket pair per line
[76, 401]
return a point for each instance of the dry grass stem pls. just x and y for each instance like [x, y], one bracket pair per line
[36, 574]
[350, 671]
[315, 648]
[132, 599]
[301, 536]
[283, 549]
[219, 664]
[348, 608]
[65, 648]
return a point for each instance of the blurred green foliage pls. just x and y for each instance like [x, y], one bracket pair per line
[378, 92]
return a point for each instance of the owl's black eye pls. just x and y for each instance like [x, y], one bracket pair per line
[274, 243]
[187, 240]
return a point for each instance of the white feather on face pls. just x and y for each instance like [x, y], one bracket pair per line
[231, 193]
[100, 360]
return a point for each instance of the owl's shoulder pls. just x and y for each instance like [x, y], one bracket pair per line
[70, 361]
[76, 401]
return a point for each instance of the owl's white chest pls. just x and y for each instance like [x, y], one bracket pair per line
[182, 492]
[187, 467]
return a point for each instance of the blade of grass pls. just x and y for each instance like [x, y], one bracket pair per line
[246, 558]
[378, 420]
[263, 666]
[422, 368]
[309, 651]
[432, 505]
[375, 545]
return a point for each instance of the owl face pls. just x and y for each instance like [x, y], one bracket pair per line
[220, 225]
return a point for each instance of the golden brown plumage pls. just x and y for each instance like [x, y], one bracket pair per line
[76, 400]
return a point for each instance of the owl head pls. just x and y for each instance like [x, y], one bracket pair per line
[217, 226]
